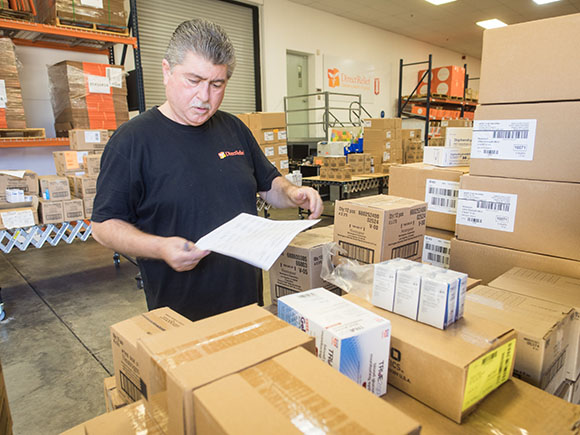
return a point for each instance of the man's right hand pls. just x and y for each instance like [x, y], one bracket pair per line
[181, 254]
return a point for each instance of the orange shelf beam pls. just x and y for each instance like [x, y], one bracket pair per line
[66, 31]
[60, 46]
[34, 142]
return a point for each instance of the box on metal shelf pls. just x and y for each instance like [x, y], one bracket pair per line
[124, 338]
[88, 140]
[437, 247]
[24, 180]
[11, 106]
[264, 399]
[87, 96]
[453, 370]
[438, 187]
[543, 328]
[553, 288]
[383, 123]
[532, 141]
[533, 216]
[548, 58]
[54, 188]
[298, 268]
[446, 156]
[20, 217]
[175, 363]
[114, 398]
[69, 162]
[377, 228]
[359, 351]
[445, 80]
[109, 14]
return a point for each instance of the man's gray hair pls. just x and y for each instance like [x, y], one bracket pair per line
[204, 38]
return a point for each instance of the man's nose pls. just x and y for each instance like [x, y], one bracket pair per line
[203, 93]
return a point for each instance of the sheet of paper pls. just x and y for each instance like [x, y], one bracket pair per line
[253, 239]
[18, 174]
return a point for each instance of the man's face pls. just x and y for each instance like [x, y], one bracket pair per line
[194, 89]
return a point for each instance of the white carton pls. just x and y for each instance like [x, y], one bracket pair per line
[14, 195]
[349, 338]
[407, 292]
[447, 156]
[385, 274]
[437, 300]
[331, 148]
[461, 290]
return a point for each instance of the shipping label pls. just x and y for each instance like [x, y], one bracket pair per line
[282, 135]
[282, 150]
[509, 139]
[92, 3]
[17, 219]
[494, 211]
[115, 76]
[441, 196]
[98, 85]
[268, 136]
[92, 136]
[3, 95]
[436, 251]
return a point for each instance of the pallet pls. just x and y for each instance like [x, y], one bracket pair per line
[11, 14]
[20, 133]
[93, 27]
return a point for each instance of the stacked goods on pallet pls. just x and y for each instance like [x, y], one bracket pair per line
[335, 168]
[87, 96]
[11, 108]
[446, 81]
[109, 15]
[18, 10]
[18, 199]
[269, 130]
[382, 140]
[412, 145]
[520, 204]
[360, 163]
[56, 204]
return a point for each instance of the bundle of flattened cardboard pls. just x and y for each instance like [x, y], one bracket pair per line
[11, 108]
[109, 13]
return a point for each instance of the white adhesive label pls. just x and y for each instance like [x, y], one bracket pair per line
[441, 195]
[268, 136]
[367, 123]
[92, 136]
[282, 150]
[92, 3]
[436, 251]
[494, 211]
[17, 219]
[510, 139]
[269, 151]
[99, 85]
[3, 96]
[283, 164]
[80, 157]
[282, 135]
[115, 76]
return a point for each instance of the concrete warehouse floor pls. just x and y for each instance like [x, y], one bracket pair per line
[54, 345]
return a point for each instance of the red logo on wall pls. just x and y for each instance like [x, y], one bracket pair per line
[333, 78]
[377, 86]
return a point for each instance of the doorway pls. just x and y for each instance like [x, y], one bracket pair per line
[297, 84]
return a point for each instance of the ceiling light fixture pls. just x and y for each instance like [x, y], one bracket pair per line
[491, 24]
[543, 2]
[442, 2]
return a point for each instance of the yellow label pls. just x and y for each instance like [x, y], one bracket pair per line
[488, 372]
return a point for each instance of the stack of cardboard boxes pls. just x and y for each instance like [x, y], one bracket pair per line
[18, 199]
[56, 204]
[383, 141]
[109, 14]
[335, 168]
[11, 107]
[412, 145]
[269, 130]
[360, 163]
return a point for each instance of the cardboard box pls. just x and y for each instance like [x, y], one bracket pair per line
[438, 187]
[348, 338]
[437, 247]
[298, 268]
[456, 123]
[114, 399]
[182, 360]
[533, 216]
[54, 188]
[51, 212]
[124, 338]
[69, 162]
[377, 228]
[88, 207]
[377, 135]
[83, 186]
[547, 57]
[544, 332]
[569, 391]
[110, 14]
[20, 217]
[411, 133]
[92, 164]
[88, 140]
[331, 148]
[28, 183]
[12, 111]
[269, 151]
[73, 210]
[270, 135]
[446, 156]
[383, 123]
[457, 136]
[555, 288]
[265, 399]
[514, 406]
[445, 80]
[548, 154]
[267, 120]
[448, 370]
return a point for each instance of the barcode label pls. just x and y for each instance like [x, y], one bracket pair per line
[359, 253]
[441, 195]
[283, 291]
[53, 217]
[129, 387]
[491, 210]
[406, 251]
[75, 214]
[511, 139]
[489, 358]
[440, 249]
[438, 259]
[436, 251]
[60, 194]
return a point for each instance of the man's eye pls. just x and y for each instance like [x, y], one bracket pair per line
[217, 85]
[194, 82]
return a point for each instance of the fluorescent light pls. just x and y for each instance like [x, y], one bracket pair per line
[543, 2]
[442, 2]
[491, 24]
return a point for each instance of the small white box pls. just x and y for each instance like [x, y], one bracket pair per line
[458, 136]
[408, 288]
[331, 148]
[447, 156]
[14, 195]
[384, 282]
[349, 338]
[461, 290]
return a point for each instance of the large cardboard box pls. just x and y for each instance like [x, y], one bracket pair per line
[267, 120]
[20, 217]
[532, 141]
[555, 288]
[437, 247]
[377, 228]
[530, 62]
[290, 393]
[449, 370]
[376, 135]
[544, 332]
[445, 80]
[88, 140]
[50, 212]
[298, 268]
[438, 187]
[457, 136]
[177, 362]
[73, 209]
[83, 186]
[54, 188]
[383, 123]
[124, 338]
[92, 164]
[69, 162]
[12, 108]
[487, 262]
[515, 407]
[533, 216]
[11, 180]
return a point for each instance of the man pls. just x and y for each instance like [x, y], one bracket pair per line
[178, 171]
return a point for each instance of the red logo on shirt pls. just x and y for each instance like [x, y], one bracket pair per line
[223, 154]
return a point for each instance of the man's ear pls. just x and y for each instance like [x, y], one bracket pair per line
[166, 71]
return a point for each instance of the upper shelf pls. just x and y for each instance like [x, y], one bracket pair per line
[30, 142]
[49, 36]
[456, 102]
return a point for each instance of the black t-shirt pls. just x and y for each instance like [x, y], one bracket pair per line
[170, 179]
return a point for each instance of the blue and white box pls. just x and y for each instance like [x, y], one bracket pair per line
[349, 338]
